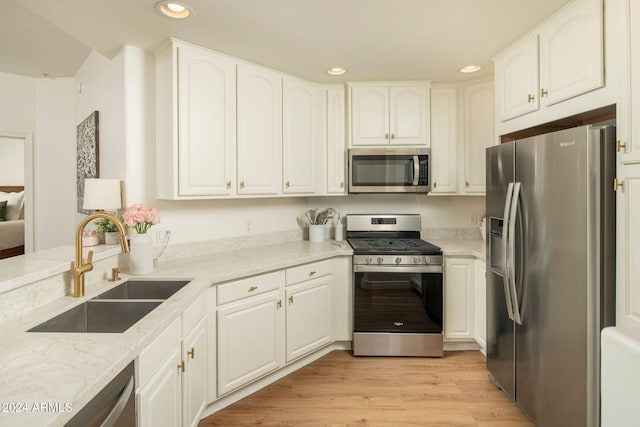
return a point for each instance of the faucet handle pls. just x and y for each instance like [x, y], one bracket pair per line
[89, 257]
[115, 274]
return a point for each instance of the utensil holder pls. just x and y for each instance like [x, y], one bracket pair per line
[316, 233]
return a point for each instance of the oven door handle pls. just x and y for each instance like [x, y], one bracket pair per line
[397, 269]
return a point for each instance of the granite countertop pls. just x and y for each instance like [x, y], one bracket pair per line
[475, 248]
[69, 368]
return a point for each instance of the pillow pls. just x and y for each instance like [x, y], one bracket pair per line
[15, 204]
[3, 210]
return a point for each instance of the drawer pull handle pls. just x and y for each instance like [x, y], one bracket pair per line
[291, 299]
[228, 185]
[530, 99]
[311, 273]
[253, 288]
[241, 185]
[181, 366]
[543, 92]
[279, 304]
[192, 353]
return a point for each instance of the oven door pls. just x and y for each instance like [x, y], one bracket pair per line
[397, 299]
[389, 171]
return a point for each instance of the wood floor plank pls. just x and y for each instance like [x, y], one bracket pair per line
[342, 390]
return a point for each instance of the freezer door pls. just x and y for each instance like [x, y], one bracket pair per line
[500, 327]
[551, 259]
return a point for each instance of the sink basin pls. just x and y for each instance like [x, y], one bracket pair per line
[144, 289]
[98, 316]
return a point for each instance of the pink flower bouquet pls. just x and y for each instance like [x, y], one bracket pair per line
[140, 217]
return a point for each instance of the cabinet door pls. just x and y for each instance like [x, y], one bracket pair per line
[443, 140]
[478, 134]
[300, 123]
[571, 52]
[480, 301]
[194, 385]
[259, 131]
[458, 298]
[250, 340]
[336, 169]
[409, 112]
[630, 153]
[308, 317]
[517, 79]
[159, 400]
[628, 249]
[206, 123]
[370, 115]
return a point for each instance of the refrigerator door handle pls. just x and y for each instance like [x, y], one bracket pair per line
[515, 202]
[505, 252]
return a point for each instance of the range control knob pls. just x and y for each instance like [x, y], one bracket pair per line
[416, 260]
[380, 259]
[368, 260]
[398, 260]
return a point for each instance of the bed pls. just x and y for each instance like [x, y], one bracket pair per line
[12, 223]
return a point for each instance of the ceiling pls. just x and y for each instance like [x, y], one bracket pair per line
[373, 39]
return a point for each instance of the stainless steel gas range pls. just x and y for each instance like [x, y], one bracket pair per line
[397, 287]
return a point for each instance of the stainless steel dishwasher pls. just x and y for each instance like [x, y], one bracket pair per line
[113, 406]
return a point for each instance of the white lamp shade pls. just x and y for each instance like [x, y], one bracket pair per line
[102, 193]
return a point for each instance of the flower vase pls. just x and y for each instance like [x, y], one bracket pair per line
[141, 255]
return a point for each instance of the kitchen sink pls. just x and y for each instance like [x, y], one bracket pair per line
[95, 316]
[144, 289]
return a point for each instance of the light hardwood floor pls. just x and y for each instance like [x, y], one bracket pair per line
[342, 390]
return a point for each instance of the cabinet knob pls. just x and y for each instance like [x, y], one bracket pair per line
[181, 366]
[291, 299]
[341, 184]
[386, 136]
[617, 184]
[228, 185]
[192, 353]
[253, 288]
[620, 146]
[241, 184]
[530, 98]
[279, 304]
[466, 183]
[435, 184]
[286, 184]
[543, 93]
[393, 136]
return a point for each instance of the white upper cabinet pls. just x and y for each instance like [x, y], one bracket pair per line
[336, 154]
[195, 123]
[478, 134]
[562, 59]
[571, 52]
[389, 113]
[301, 125]
[517, 77]
[259, 142]
[444, 140]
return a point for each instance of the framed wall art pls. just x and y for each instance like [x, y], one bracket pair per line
[87, 156]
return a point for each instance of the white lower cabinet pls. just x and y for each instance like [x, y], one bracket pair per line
[480, 304]
[250, 330]
[172, 372]
[308, 315]
[458, 298]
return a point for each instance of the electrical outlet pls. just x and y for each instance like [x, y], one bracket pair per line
[162, 235]
[473, 218]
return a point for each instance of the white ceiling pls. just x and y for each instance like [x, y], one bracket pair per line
[373, 39]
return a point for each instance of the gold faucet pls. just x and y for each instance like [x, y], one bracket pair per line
[79, 268]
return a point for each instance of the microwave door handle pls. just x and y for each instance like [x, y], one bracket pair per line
[416, 170]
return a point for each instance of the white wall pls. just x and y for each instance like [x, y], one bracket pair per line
[17, 103]
[11, 161]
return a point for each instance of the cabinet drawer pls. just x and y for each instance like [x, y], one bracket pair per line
[256, 285]
[151, 357]
[193, 314]
[308, 271]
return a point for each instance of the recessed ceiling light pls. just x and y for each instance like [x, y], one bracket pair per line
[174, 9]
[470, 69]
[336, 71]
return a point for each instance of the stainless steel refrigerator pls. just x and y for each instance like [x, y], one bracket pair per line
[550, 270]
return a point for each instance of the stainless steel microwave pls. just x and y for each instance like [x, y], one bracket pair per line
[389, 170]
